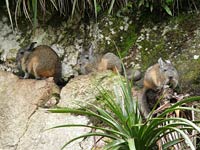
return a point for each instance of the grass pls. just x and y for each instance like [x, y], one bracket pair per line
[35, 9]
[125, 128]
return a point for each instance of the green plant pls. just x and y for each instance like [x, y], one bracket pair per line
[124, 125]
[33, 9]
[166, 4]
[171, 7]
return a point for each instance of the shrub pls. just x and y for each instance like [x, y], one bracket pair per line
[125, 127]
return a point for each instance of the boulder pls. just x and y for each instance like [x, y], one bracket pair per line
[23, 122]
[19, 99]
[37, 137]
[84, 89]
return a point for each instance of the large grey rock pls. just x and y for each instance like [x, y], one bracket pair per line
[37, 137]
[8, 41]
[19, 99]
[84, 89]
[23, 123]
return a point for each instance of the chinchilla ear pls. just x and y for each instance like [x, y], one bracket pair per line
[31, 46]
[168, 61]
[91, 51]
[161, 62]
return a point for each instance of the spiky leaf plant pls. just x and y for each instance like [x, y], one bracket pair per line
[124, 125]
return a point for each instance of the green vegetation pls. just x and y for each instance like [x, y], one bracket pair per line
[124, 127]
[33, 10]
[129, 39]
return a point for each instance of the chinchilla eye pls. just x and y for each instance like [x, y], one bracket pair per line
[86, 57]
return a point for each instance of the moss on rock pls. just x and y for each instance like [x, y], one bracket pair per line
[177, 39]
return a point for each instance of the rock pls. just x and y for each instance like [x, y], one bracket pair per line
[23, 124]
[134, 74]
[188, 65]
[19, 99]
[37, 137]
[84, 88]
[8, 40]
[65, 39]
[177, 40]
[69, 63]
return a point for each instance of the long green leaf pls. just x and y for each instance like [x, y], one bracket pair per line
[167, 9]
[112, 104]
[171, 143]
[17, 10]
[111, 6]
[73, 7]
[114, 122]
[157, 121]
[88, 135]
[10, 17]
[109, 122]
[182, 122]
[188, 122]
[54, 4]
[110, 131]
[131, 144]
[177, 106]
[185, 101]
[114, 144]
[141, 2]
[35, 9]
[26, 11]
[185, 136]
[95, 8]
[154, 131]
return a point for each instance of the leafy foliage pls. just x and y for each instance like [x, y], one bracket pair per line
[34, 9]
[171, 7]
[125, 127]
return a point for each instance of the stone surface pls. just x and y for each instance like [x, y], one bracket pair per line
[19, 99]
[37, 137]
[64, 39]
[178, 40]
[8, 40]
[84, 88]
[24, 121]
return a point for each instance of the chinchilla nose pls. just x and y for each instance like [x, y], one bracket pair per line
[170, 77]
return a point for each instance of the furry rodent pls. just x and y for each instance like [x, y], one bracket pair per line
[156, 77]
[41, 62]
[88, 62]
